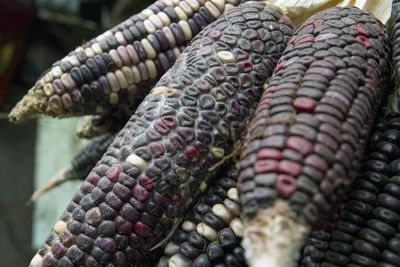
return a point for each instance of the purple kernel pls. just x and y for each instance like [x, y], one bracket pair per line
[107, 244]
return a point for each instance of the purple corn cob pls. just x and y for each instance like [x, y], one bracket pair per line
[211, 233]
[304, 143]
[150, 174]
[114, 71]
[367, 230]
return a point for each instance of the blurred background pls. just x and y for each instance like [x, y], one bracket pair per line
[33, 35]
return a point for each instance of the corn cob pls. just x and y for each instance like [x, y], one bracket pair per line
[210, 235]
[117, 68]
[367, 230]
[304, 142]
[81, 164]
[150, 174]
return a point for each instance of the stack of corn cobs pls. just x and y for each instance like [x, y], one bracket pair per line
[226, 138]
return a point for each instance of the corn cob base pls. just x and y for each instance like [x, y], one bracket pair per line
[150, 174]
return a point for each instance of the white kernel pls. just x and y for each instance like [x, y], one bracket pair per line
[226, 57]
[48, 77]
[221, 212]
[187, 33]
[113, 81]
[206, 231]
[148, 49]
[120, 38]
[176, 52]
[237, 227]
[108, 33]
[193, 4]
[128, 75]
[228, 7]
[115, 57]
[188, 226]
[233, 194]
[171, 248]
[168, 3]
[37, 261]
[97, 49]
[137, 161]
[170, 36]
[89, 52]
[123, 83]
[164, 18]
[147, 12]
[67, 81]
[217, 152]
[150, 28]
[136, 74]
[60, 226]
[180, 13]
[79, 49]
[214, 11]
[178, 260]
[74, 61]
[151, 68]
[176, 2]
[156, 21]
[48, 89]
[220, 4]
[186, 8]
[56, 71]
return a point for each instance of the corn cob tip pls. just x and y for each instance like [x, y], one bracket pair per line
[274, 237]
[56, 180]
[31, 105]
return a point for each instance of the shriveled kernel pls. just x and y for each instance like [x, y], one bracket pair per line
[218, 152]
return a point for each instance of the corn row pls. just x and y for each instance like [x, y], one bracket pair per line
[188, 123]
[304, 143]
[80, 165]
[367, 231]
[116, 69]
[211, 233]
